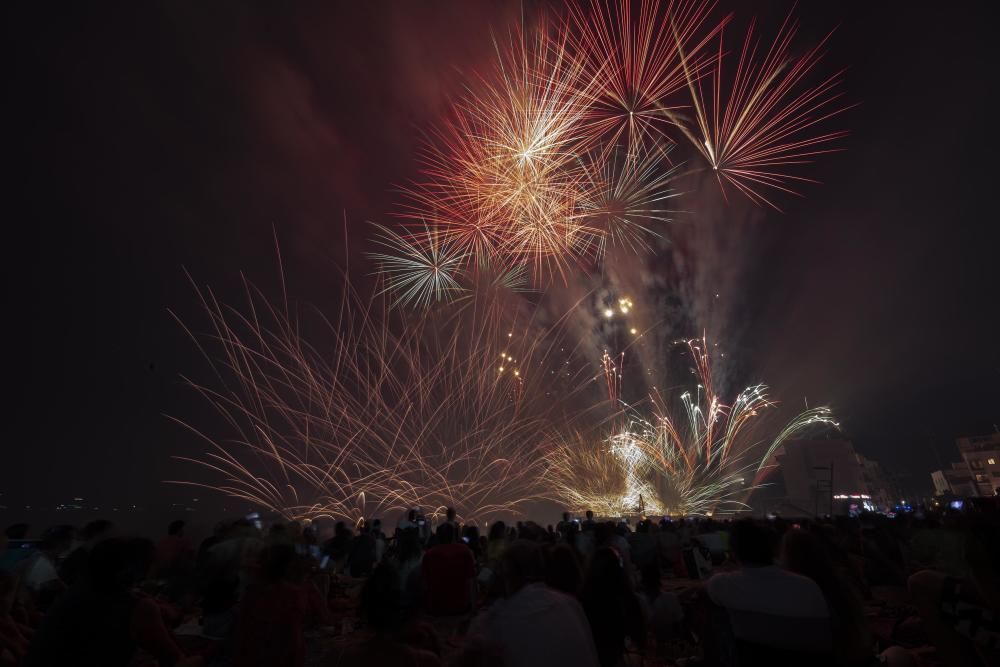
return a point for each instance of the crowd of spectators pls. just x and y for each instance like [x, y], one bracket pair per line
[918, 589]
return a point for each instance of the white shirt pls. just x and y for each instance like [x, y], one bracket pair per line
[39, 572]
[768, 590]
[536, 627]
[774, 607]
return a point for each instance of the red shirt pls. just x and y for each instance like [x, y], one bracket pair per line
[272, 627]
[448, 571]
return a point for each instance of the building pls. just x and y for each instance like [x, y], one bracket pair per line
[956, 481]
[827, 476]
[977, 474]
[881, 488]
[982, 456]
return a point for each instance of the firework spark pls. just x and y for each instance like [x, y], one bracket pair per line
[561, 152]
[386, 413]
[501, 176]
[418, 273]
[641, 60]
[626, 198]
[756, 128]
[693, 456]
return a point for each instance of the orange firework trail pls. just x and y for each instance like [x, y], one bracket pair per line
[763, 123]
[384, 413]
[640, 60]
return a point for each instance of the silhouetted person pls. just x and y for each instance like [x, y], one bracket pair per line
[14, 637]
[962, 615]
[470, 537]
[41, 572]
[611, 607]
[361, 554]
[496, 544]
[274, 615]
[338, 546]
[448, 572]
[449, 517]
[381, 607]
[563, 526]
[804, 553]
[533, 625]
[174, 552]
[102, 622]
[73, 568]
[410, 522]
[562, 569]
[768, 606]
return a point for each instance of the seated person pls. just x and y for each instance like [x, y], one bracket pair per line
[767, 605]
[382, 608]
[532, 625]
[103, 621]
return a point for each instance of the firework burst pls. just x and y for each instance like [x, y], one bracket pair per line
[641, 60]
[627, 199]
[501, 177]
[694, 455]
[419, 273]
[755, 129]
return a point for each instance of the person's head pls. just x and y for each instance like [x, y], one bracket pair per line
[606, 575]
[498, 531]
[562, 569]
[278, 562]
[805, 554]
[604, 533]
[445, 533]
[98, 529]
[241, 528]
[565, 516]
[752, 544]
[522, 564]
[408, 545]
[119, 563]
[381, 599]
[17, 531]
[590, 515]
[176, 528]
[450, 513]
[411, 515]
[57, 540]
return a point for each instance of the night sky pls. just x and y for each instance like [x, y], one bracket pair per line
[150, 138]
